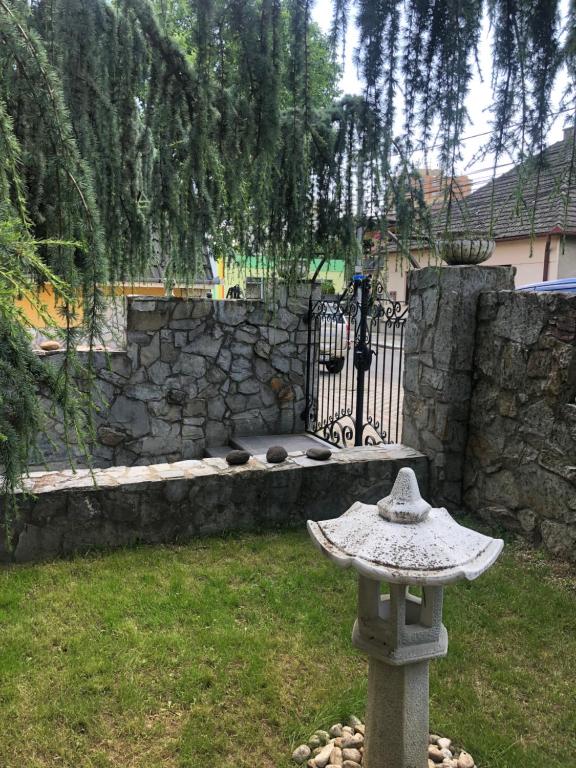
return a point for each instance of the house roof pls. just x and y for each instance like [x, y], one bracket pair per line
[534, 198]
[205, 274]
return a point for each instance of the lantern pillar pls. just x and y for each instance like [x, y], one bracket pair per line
[396, 715]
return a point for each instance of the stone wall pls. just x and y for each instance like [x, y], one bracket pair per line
[439, 353]
[74, 512]
[520, 467]
[194, 373]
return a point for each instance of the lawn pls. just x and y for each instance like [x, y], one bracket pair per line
[229, 651]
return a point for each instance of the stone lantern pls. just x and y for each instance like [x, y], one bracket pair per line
[404, 543]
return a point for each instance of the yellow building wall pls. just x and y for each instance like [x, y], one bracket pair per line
[236, 274]
[47, 298]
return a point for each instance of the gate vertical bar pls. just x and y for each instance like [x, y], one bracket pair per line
[361, 353]
[308, 394]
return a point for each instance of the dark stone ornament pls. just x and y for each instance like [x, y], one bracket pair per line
[237, 457]
[320, 454]
[276, 454]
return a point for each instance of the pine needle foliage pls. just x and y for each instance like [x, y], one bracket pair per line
[134, 132]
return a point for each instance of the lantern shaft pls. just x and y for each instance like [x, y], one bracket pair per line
[397, 716]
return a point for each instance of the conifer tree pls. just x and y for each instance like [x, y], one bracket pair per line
[132, 131]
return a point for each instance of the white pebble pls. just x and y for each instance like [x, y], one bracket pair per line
[465, 760]
[301, 754]
[323, 757]
[336, 730]
[336, 756]
[435, 754]
[444, 743]
[354, 741]
[353, 721]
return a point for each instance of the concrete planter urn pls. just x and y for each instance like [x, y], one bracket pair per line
[459, 248]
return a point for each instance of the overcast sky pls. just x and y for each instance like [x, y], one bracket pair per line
[478, 103]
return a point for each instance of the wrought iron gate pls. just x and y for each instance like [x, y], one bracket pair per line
[355, 366]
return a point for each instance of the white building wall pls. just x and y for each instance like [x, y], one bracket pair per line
[567, 257]
[526, 255]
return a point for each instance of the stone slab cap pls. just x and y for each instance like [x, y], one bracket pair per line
[419, 546]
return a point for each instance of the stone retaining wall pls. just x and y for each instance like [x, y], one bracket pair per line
[520, 466]
[195, 372]
[73, 512]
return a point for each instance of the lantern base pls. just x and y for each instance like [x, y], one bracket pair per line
[396, 716]
[403, 654]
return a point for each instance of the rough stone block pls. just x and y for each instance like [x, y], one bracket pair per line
[192, 364]
[275, 335]
[249, 387]
[144, 392]
[202, 308]
[559, 539]
[240, 349]
[240, 369]
[206, 346]
[230, 312]
[149, 320]
[132, 414]
[168, 352]
[110, 436]
[159, 372]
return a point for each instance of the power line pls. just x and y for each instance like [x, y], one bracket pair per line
[477, 135]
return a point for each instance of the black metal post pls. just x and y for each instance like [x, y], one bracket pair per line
[362, 357]
[308, 394]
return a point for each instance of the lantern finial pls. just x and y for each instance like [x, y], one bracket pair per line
[404, 504]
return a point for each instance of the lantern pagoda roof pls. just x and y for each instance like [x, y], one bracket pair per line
[403, 540]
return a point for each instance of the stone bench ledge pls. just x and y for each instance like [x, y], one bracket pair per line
[113, 477]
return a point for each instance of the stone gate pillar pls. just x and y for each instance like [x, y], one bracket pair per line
[438, 373]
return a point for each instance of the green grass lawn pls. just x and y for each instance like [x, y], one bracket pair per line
[228, 652]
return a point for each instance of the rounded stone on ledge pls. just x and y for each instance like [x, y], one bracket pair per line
[319, 454]
[276, 454]
[50, 345]
[237, 457]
